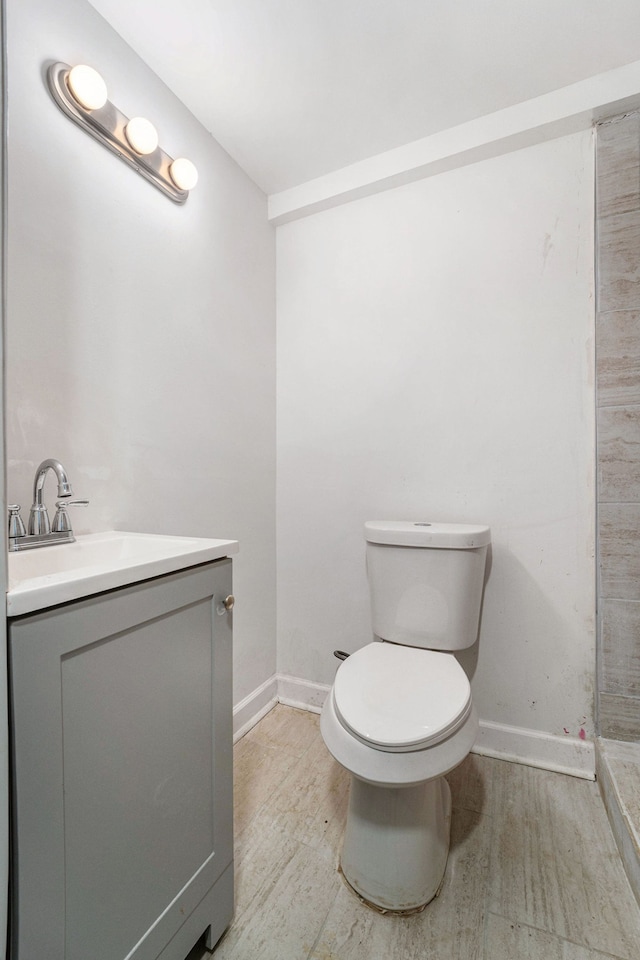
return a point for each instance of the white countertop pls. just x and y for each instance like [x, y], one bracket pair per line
[45, 576]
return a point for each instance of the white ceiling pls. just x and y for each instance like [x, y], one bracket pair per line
[294, 89]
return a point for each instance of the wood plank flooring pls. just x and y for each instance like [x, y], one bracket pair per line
[533, 872]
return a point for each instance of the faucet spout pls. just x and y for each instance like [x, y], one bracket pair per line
[38, 517]
[64, 487]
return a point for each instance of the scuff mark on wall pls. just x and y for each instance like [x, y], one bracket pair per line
[548, 245]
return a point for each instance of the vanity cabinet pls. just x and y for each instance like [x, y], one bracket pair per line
[122, 771]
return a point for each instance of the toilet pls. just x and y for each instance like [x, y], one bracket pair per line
[400, 715]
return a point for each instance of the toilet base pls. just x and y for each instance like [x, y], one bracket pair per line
[396, 843]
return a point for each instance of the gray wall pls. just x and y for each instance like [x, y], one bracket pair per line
[140, 334]
[618, 401]
[435, 362]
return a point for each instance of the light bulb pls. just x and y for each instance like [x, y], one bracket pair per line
[142, 135]
[183, 173]
[87, 87]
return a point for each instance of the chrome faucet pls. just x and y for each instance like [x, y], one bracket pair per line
[40, 533]
[38, 517]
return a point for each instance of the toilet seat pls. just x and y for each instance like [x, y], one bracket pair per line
[398, 699]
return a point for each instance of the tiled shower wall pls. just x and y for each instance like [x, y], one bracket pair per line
[618, 411]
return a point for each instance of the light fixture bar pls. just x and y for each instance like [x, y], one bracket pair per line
[108, 125]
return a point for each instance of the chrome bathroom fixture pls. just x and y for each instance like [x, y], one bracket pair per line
[81, 94]
[41, 534]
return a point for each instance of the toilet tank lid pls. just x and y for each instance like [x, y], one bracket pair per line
[422, 533]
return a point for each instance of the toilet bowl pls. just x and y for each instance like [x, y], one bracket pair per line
[400, 715]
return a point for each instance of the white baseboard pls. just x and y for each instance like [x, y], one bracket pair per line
[280, 688]
[519, 744]
[303, 694]
[254, 707]
[537, 749]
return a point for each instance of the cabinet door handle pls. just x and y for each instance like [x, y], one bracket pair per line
[229, 602]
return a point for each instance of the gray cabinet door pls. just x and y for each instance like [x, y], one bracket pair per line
[122, 763]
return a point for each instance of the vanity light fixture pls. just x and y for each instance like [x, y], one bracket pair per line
[81, 94]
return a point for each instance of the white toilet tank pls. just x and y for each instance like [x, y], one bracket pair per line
[426, 581]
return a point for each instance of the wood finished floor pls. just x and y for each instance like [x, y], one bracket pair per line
[533, 872]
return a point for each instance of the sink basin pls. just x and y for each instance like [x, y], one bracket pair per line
[101, 561]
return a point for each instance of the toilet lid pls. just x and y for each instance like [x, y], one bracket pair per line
[398, 698]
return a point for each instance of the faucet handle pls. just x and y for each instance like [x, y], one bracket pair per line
[61, 521]
[16, 524]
